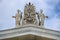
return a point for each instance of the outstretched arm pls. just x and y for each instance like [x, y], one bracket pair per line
[13, 16]
[46, 16]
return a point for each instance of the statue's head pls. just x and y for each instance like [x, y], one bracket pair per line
[18, 10]
[41, 10]
[29, 3]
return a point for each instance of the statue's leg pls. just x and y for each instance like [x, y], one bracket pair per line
[42, 22]
[39, 23]
[19, 23]
[16, 23]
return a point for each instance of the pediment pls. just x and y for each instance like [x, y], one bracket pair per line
[30, 30]
[29, 37]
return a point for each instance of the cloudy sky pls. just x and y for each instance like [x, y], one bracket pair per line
[51, 8]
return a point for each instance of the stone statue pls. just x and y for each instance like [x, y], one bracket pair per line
[30, 16]
[18, 17]
[42, 17]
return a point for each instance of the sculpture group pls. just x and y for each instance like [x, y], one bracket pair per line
[29, 16]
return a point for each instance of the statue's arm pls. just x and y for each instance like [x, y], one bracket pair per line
[21, 15]
[46, 16]
[13, 17]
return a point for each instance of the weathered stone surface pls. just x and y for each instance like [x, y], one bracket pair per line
[29, 30]
[29, 14]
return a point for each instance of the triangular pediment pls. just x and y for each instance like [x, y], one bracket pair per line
[29, 30]
[29, 37]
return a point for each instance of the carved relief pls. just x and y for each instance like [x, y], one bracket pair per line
[29, 13]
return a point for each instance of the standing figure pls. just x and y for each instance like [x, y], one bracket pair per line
[17, 17]
[42, 17]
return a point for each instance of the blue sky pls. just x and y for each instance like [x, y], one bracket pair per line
[51, 8]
